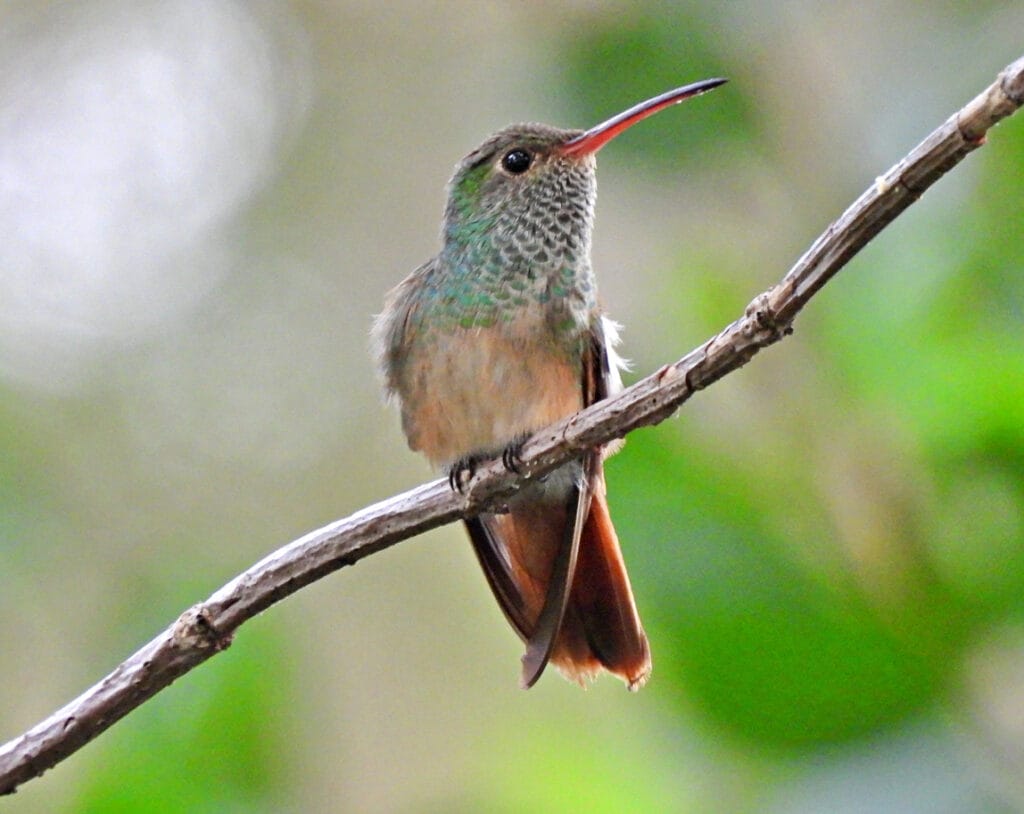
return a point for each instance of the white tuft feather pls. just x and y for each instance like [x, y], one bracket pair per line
[615, 362]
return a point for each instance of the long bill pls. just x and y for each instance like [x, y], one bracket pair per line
[596, 137]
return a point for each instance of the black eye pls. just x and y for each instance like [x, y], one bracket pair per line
[517, 161]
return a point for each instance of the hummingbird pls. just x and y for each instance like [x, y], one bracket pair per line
[499, 335]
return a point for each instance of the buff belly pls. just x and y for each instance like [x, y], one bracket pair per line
[477, 390]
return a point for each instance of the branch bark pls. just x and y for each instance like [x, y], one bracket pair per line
[207, 628]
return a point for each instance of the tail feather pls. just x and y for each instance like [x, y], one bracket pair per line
[602, 627]
[520, 551]
[544, 637]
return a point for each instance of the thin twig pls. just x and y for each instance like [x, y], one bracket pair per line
[207, 628]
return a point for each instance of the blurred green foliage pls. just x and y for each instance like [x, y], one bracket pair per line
[637, 55]
[217, 741]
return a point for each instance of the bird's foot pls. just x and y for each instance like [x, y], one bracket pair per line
[512, 456]
[461, 472]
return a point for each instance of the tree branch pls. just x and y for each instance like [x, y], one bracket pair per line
[207, 628]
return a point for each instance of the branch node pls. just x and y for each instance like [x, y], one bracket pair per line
[760, 318]
[666, 373]
[1011, 81]
[194, 630]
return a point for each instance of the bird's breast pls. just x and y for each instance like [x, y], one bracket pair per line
[465, 391]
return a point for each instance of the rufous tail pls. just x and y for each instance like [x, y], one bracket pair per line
[600, 628]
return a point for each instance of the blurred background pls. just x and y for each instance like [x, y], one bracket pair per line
[202, 203]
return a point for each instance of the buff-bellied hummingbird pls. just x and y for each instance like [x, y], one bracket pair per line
[500, 335]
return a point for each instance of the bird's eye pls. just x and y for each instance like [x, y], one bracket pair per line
[517, 161]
